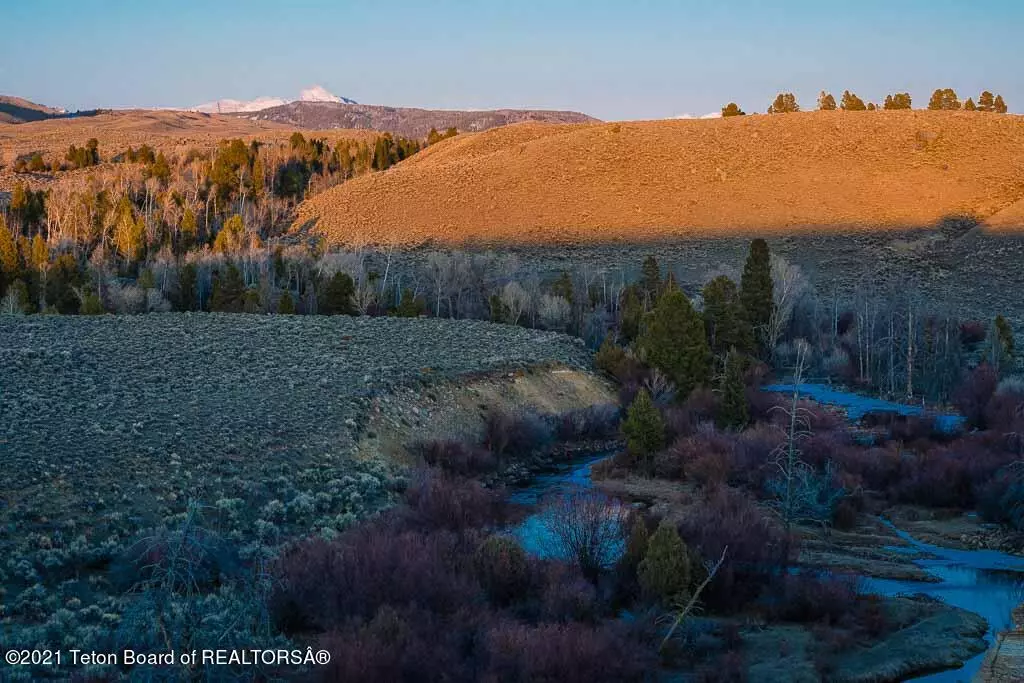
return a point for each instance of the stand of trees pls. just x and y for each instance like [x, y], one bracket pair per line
[941, 99]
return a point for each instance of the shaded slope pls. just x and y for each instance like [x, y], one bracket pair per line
[579, 183]
[19, 110]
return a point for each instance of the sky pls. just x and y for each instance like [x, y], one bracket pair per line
[634, 59]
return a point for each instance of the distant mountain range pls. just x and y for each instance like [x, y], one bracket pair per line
[405, 121]
[314, 93]
[318, 109]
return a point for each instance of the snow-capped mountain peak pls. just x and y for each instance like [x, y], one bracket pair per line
[318, 93]
[314, 93]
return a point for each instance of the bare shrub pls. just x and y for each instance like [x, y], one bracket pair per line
[585, 527]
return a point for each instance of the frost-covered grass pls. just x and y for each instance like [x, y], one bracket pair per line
[118, 429]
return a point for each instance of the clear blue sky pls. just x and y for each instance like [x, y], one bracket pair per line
[615, 60]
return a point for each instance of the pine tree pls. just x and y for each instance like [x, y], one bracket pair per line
[9, 263]
[969, 105]
[285, 304]
[986, 102]
[664, 573]
[756, 293]
[784, 103]
[944, 100]
[228, 291]
[724, 318]
[851, 102]
[733, 413]
[259, 174]
[674, 341]
[631, 313]
[732, 109]
[650, 277]
[1000, 105]
[826, 102]
[188, 277]
[337, 296]
[643, 428]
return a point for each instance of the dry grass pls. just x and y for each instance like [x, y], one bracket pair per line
[602, 182]
[172, 132]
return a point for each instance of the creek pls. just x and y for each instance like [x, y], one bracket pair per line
[986, 582]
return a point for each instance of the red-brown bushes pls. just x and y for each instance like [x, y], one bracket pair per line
[439, 501]
[756, 545]
[507, 434]
[457, 457]
[321, 584]
[807, 598]
[705, 457]
[971, 398]
[565, 653]
[972, 332]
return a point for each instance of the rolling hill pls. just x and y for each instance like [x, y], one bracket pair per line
[620, 181]
[406, 121]
[19, 110]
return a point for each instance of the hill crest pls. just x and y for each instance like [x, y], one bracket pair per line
[651, 179]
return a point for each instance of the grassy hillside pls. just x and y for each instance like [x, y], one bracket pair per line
[596, 182]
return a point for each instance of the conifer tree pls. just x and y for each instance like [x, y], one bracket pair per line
[9, 263]
[631, 314]
[643, 428]
[784, 103]
[732, 109]
[756, 292]
[733, 412]
[851, 102]
[286, 305]
[1000, 105]
[826, 102]
[650, 277]
[337, 296]
[228, 291]
[664, 572]
[724, 318]
[986, 102]
[969, 105]
[674, 341]
[944, 99]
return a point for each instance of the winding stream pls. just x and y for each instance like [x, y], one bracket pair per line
[986, 582]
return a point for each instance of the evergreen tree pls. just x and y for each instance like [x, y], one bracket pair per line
[643, 428]
[725, 320]
[228, 291]
[285, 304]
[188, 278]
[732, 109]
[784, 103]
[733, 413]
[872, 106]
[631, 313]
[664, 573]
[900, 100]
[650, 277]
[61, 281]
[826, 102]
[944, 100]
[674, 341]
[756, 293]
[851, 102]
[1000, 105]
[986, 102]
[10, 266]
[969, 105]
[337, 296]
